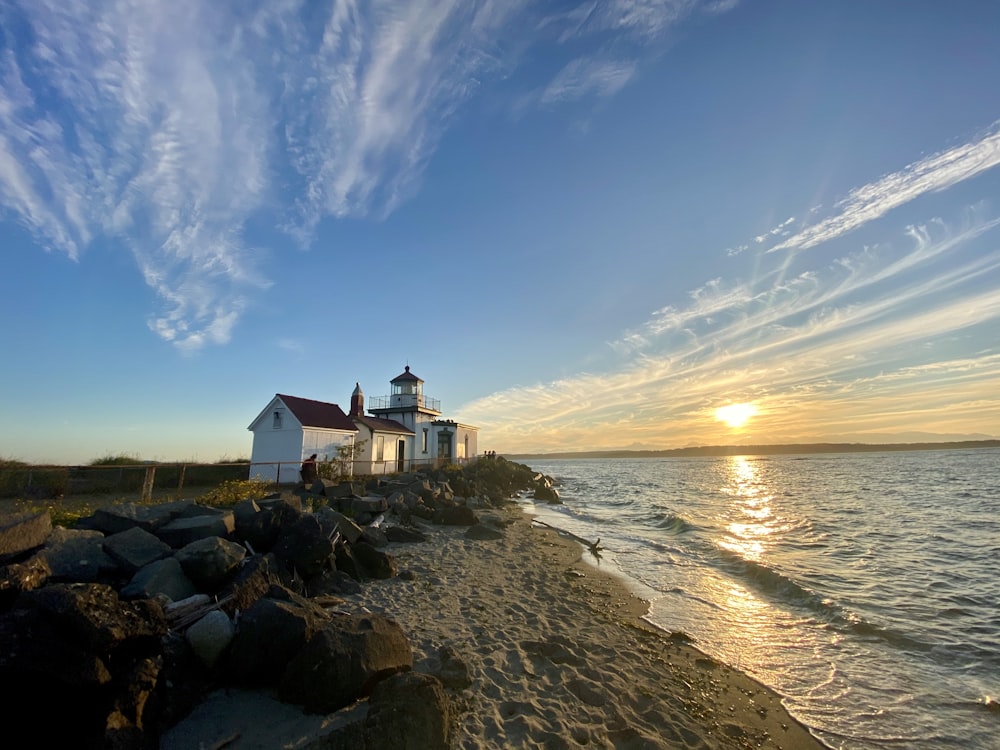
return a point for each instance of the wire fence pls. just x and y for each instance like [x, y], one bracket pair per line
[19, 480]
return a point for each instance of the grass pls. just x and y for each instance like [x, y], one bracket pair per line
[67, 510]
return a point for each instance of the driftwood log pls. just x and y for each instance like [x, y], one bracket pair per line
[594, 547]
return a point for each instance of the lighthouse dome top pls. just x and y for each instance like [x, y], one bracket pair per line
[406, 375]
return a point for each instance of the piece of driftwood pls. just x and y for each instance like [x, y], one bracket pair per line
[225, 742]
[594, 547]
[181, 617]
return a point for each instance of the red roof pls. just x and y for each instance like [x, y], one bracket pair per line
[318, 413]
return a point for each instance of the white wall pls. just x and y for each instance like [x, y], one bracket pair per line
[276, 445]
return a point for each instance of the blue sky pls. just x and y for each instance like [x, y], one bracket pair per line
[584, 225]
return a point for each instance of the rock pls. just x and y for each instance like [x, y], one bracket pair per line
[453, 672]
[404, 534]
[408, 711]
[116, 518]
[210, 636]
[483, 532]
[332, 582]
[459, 515]
[304, 547]
[18, 577]
[209, 563]
[135, 548]
[77, 556]
[330, 519]
[164, 577]
[547, 493]
[372, 504]
[252, 581]
[375, 536]
[344, 661]
[374, 562]
[21, 532]
[270, 633]
[182, 531]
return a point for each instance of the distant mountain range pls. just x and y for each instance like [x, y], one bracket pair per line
[765, 450]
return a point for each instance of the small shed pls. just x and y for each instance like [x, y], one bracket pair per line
[289, 429]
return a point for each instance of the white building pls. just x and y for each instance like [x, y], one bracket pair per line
[437, 440]
[290, 429]
[402, 430]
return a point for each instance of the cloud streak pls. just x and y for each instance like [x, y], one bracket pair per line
[165, 127]
[833, 351]
[870, 202]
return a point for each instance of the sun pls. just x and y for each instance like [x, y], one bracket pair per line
[735, 415]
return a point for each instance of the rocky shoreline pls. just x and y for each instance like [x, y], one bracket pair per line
[420, 612]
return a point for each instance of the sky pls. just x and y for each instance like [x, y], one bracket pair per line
[625, 224]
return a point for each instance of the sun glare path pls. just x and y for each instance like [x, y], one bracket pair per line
[735, 415]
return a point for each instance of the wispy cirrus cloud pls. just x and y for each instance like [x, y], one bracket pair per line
[831, 351]
[874, 200]
[165, 127]
[584, 77]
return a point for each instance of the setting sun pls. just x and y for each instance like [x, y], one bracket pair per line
[735, 415]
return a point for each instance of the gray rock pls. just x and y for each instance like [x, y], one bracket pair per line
[404, 534]
[116, 518]
[182, 531]
[375, 536]
[210, 636]
[372, 504]
[20, 532]
[330, 519]
[135, 548]
[210, 562]
[481, 531]
[74, 555]
[164, 577]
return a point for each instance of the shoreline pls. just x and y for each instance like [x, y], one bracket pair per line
[556, 651]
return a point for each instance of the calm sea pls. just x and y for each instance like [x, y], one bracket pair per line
[864, 588]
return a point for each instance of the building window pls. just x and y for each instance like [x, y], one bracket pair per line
[277, 419]
[423, 445]
[380, 448]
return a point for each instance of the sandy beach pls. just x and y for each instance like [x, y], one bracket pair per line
[556, 651]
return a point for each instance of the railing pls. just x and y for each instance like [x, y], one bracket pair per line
[53, 482]
[288, 472]
[404, 401]
[41, 481]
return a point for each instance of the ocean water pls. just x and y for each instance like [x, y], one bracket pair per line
[864, 588]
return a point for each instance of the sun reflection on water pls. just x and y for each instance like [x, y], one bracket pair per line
[749, 533]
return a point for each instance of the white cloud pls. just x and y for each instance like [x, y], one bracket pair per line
[818, 353]
[584, 77]
[166, 125]
[872, 201]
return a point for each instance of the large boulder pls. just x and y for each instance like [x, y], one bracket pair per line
[77, 556]
[304, 546]
[21, 532]
[344, 661]
[270, 633]
[210, 562]
[161, 578]
[408, 711]
[374, 562]
[135, 548]
[190, 528]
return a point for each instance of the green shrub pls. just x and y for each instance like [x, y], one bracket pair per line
[236, 490]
